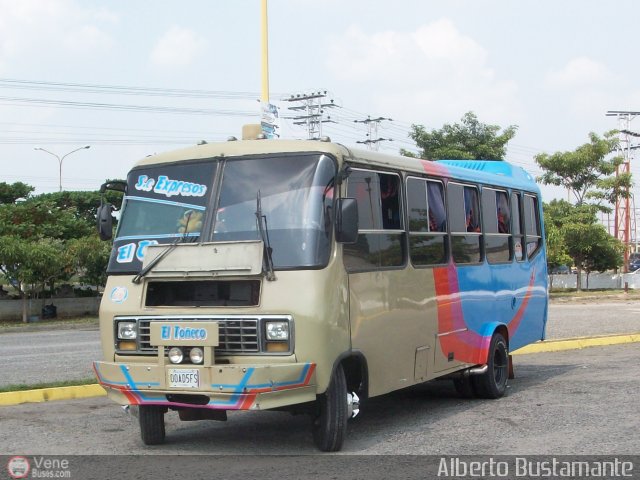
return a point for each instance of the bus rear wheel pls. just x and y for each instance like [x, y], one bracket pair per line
[330, 422]
[493, 383]
[151, 418]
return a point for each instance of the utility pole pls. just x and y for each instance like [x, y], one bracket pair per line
[622, 217]
[265, 54]
[373, 141]
[311, 107]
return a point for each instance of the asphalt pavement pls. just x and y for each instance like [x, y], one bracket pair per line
[575, 402]
[38, 355]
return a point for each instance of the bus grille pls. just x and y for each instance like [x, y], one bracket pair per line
[235, 335]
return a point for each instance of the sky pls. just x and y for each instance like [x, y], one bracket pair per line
[132, 78]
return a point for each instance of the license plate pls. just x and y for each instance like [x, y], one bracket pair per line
[184, 378]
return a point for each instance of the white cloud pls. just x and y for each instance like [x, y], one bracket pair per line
[178, 47]
[434, 72]
[579, 73]
[30, 27]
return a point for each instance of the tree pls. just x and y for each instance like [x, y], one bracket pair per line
[10, 192]
[557, 254]
[29, 263]
[83, 204]
[90, 257]
[586, 171]
[468, 140]
[573, 232]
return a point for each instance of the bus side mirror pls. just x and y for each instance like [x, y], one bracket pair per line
[105, 221]
[347, 220]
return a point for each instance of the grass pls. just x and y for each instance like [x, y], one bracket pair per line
[35, 386]
[595, 293]
[56, 322]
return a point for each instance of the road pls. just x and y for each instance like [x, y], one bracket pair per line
[571, 402]
[48, 356]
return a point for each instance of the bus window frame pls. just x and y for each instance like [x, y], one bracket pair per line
[521, 235]
[429, 233]
[509, 234]
[402, 231]
[539, 236]
[453, 234]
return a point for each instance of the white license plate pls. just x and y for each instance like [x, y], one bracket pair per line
[184, 378]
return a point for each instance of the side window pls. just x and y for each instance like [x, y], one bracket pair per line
[495, 219]
[427, 222]
[380, 240]
[516, 227]
[532, 225]
[464, 221]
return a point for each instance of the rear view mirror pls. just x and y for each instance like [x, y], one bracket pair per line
[105, 221]
[347, 220]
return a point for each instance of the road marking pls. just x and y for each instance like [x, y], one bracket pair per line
[95, 390]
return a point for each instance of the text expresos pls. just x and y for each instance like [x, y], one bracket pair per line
[176, 332]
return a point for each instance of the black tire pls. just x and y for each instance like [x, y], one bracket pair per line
[464, 387]
[151, 419]
[493, 383]
[330, 422]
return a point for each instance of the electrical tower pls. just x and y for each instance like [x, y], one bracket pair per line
[313, 105]
[373, 141]
[623, 211]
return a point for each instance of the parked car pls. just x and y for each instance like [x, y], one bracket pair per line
[561, 270]
[634, 265]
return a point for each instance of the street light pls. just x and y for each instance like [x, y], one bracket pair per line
[61, 158]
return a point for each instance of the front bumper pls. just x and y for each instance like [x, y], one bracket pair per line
[228, 387]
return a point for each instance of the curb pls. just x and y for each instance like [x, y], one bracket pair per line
[577, 343]
[49, 394]
[95, 390]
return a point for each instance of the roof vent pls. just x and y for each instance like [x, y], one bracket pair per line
[325, 139]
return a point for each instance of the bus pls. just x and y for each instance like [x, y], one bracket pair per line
[306, 276]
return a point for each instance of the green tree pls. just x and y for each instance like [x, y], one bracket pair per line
[40, 218]
[82, 204]
[557, 254]
[90, 257]
[10, 192]
[27, 264]
[468, 140]
[48, 238]
[587, 172]
[573, 232]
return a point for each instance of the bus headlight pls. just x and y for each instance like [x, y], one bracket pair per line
[277, 331]
[196, 355]
[176, 355]
[127, 331]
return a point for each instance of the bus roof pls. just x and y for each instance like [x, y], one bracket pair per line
[498, 173]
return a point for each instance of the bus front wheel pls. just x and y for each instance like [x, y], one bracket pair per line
[151, 419]
[493, 383]
[330, 422]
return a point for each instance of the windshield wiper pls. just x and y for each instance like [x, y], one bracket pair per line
[164, 253]
[264, 235]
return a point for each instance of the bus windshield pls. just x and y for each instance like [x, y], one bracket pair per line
[165, 203]
[296, 198]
